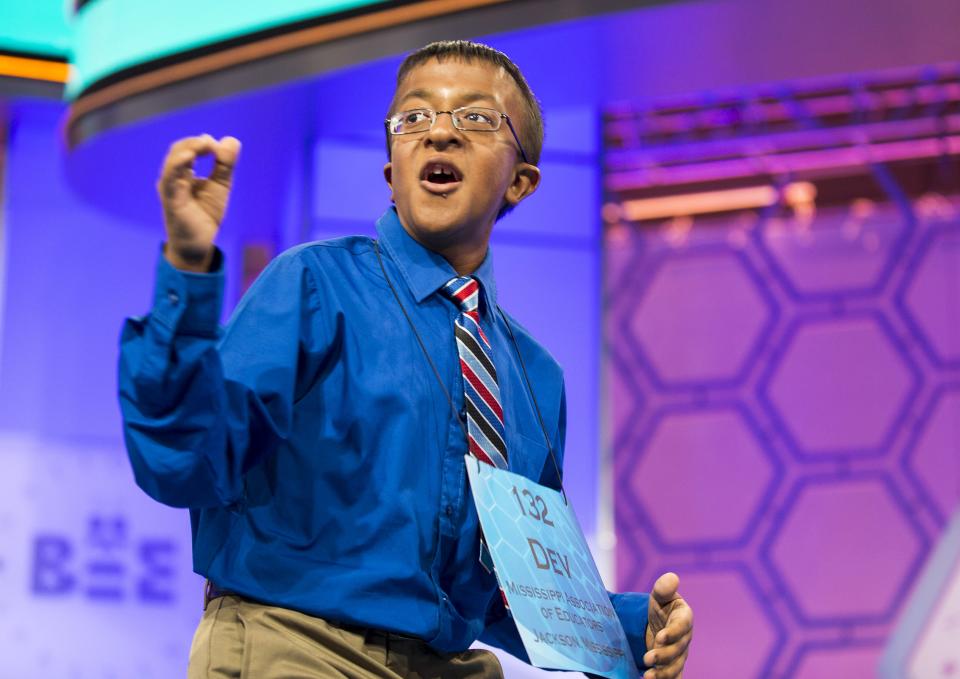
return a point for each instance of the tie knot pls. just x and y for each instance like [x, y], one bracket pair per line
[464, 290]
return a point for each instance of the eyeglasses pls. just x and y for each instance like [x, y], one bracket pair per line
[466, 118]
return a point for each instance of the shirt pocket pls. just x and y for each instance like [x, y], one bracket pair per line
[527, 455]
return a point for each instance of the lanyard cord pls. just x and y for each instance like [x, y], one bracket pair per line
[453, 407]
[536, 406]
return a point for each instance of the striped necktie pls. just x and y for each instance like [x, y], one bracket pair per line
[481, 392]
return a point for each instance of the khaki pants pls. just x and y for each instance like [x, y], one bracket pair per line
[240, 639]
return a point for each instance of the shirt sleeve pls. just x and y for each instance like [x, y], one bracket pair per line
[632, 609]
[201, 406]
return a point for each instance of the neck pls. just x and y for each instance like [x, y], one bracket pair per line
[464, 262]
[465, 249]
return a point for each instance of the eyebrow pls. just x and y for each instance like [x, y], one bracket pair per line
[466, 98]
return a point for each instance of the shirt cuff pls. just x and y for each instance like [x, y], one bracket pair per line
[631, 608]
[189, 303]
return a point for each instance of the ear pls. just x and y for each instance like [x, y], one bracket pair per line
[526, 179]
[388, 175]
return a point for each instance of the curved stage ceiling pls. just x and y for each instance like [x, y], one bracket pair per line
[132, 59]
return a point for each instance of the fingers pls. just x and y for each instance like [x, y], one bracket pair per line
[665, 588]
[183, 153]
[672, 643]
[667, 655]
[679, 624]
[180, 158]
[671, 670]
[226, 154]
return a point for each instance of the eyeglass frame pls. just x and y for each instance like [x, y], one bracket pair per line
[453, 119]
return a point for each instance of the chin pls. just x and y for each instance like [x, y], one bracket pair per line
[441, 222]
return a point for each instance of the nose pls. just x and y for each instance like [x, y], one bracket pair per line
[443, 133]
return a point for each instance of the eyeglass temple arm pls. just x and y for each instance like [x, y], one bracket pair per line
[516, 138]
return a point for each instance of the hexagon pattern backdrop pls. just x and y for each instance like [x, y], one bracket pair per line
[784, 414]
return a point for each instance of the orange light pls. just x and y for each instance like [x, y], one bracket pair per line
[796, 194]
[33, 69]
[699, 203]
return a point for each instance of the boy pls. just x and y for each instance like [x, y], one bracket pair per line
[319, 441]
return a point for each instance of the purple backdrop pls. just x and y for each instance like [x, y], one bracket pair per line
[803, 385]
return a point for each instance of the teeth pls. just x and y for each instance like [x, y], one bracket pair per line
[441, 171]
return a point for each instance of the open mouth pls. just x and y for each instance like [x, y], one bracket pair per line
[440, 177]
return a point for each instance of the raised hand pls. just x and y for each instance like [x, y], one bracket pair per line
[193, 207]
[669, 630]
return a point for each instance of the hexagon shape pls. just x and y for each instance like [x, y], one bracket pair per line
[840, 253]
[624, 260]
[934, 459]
[624, 404]
[731, 616]
[845, 551]
[700, 319]
[838, 661]
[930, 297]
[727, 477]
[840, 385]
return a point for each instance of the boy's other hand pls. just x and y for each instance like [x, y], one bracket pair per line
[669, 630]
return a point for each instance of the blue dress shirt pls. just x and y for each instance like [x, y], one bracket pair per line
[317, 452]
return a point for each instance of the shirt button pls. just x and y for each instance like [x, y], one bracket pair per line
[173, 297]
[449, 510]
[463, 414]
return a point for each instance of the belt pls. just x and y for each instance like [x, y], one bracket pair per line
[211, 591]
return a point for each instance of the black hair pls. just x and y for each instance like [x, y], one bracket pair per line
[531, 129]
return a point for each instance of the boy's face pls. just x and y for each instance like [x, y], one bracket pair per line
[457, 212]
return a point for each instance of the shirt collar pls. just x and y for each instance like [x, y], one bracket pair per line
[423, 270]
